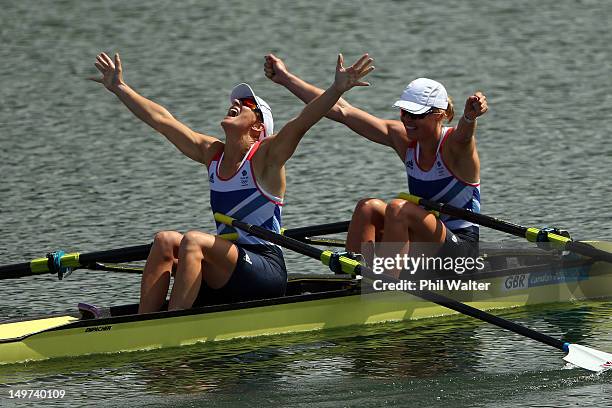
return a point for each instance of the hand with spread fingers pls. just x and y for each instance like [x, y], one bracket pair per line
[275, 69]
[348, 77]
[475, 106]
[112, 72]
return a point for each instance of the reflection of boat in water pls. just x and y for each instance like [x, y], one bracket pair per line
[311, 303]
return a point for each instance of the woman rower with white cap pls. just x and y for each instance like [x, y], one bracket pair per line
[247, 182]
[441, 162]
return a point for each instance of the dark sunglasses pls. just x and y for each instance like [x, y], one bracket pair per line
[418, 116]
[252, 105]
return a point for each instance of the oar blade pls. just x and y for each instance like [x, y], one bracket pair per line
[588, 358]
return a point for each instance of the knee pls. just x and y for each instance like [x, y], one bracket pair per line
[165, 244]
[394, 208]
[193, 242]
[190, 238]
[401, 211]
[370, 208]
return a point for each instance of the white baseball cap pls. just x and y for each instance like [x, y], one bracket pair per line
[421, 95]
[245, 91]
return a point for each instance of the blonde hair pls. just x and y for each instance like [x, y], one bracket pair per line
[450, 110]
[449, 113]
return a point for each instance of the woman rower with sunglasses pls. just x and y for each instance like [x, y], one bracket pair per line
[441, 163]
[247, 182]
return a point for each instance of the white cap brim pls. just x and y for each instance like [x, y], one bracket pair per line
[411, 107]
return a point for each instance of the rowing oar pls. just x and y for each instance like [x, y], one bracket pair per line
[61, 263]
[320, 229]
[530, 233]
[581, 356]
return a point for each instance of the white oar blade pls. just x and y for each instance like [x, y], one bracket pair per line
[588, 358]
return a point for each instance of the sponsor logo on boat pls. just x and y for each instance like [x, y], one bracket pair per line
[551, 278]
[530, 280]
[516, 282]
[97, 329]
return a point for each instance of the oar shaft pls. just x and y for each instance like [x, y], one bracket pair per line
[531, 234]
[588, 250]
[127, 254]
[41, 265]
[136, 253]
[321, 229]
[270, 236]
[484, 220]
[489, 318]
[441, 300]
[16, 271]
[329, 242]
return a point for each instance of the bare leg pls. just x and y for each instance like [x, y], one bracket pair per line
[205, 257]
[406, 222]
[366, 227]
[156, 276]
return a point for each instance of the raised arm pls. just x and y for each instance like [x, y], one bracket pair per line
[282, 146]
[194, 145]
[463, 136]
[369, 126]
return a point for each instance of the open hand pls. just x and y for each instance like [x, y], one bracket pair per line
[348, 77]
[475, 106]
[112, 75]
[275, 69]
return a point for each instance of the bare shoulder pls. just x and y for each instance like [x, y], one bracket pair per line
[210, 149]
[396, 128]
[269, 172]
[398, 137]
[264, 161]
[262, 155]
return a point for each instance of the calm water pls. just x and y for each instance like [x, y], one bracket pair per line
[80, 173]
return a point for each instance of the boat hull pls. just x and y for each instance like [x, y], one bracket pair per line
[340, 304]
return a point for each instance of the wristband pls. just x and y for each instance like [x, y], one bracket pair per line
[468, 120]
